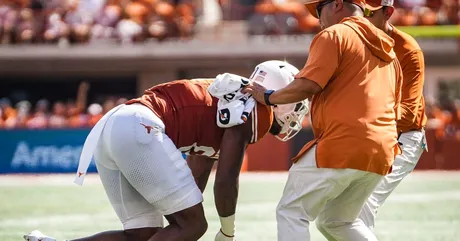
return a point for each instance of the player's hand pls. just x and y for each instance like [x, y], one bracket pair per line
[256, 90]
[223, 237]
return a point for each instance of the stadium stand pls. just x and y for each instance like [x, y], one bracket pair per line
[80, 21]
[128, 21]
[444, 114]
[165, 41]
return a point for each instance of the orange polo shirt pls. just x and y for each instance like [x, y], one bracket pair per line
[412, 62]
[354, 116]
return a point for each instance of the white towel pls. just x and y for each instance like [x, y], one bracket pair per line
[233, 107]
[90, 146]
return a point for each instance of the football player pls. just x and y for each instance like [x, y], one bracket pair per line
[139, 147]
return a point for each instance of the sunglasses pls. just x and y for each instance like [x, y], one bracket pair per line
[320, 7]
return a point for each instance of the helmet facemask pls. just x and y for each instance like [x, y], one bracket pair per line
[290, 118]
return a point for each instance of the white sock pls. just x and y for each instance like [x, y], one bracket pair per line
[228, 225]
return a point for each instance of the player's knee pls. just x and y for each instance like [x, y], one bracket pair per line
[191, 221]
[201, 227]
[198, 225]
[194, 229]
[140, 234]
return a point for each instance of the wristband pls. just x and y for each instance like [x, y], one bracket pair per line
[267, 94]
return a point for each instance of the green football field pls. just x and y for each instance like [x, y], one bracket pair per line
[443, 31]
[426, 207]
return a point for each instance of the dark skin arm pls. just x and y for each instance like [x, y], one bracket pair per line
[233, 146]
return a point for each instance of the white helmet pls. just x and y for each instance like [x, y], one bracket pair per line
[274, 75]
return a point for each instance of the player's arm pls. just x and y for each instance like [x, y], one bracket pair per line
[201, 167]
[234, 143]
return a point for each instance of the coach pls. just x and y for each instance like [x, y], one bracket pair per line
[354, 82]
[413, 118]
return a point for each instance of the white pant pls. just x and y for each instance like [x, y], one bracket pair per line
[333, 196]
[143, 173]
[413, 144]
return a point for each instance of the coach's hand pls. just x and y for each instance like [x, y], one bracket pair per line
[223, 237]
[257, 91]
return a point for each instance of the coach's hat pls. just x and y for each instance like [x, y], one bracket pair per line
[375, 5]
[311, 5]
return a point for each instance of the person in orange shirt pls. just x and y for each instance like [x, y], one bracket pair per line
[9, 114]
[413, 118]
[355, 80]
[95, 114]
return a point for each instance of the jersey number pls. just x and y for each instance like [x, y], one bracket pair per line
[199, 150]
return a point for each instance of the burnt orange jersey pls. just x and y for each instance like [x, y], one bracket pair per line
[189, 114]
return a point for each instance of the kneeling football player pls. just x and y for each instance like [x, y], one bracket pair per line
[138, 147]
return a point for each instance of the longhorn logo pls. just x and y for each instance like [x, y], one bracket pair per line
[147, 127]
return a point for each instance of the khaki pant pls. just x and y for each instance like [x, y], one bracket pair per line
[333, 197]
[413, 145]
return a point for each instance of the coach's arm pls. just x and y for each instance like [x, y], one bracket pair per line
[322, 64]
[298, 90]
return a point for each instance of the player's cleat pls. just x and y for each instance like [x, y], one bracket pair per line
[37, 236]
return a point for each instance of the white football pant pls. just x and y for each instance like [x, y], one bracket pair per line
[413, 144]
[143, 173]
[333, 197]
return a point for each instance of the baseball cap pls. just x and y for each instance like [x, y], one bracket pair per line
[311, 5]
[375, 5]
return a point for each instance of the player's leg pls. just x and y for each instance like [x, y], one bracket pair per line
[122, 235]
[413, 144]
[306, 192]
[338, 220]
[181, 227]
[139, 218]
[156, 169]
[201, 167]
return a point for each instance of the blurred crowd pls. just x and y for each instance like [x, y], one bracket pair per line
[289, 17]
[85, 21]
[443, 116]
[57, 115]
[426, 12]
